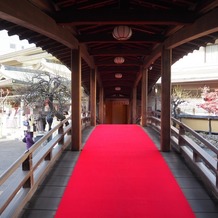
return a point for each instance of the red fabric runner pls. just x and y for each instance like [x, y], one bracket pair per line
[121, 174]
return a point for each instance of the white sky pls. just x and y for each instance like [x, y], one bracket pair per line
[196, 58]
[7, 43]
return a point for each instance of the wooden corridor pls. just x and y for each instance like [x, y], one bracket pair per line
[45, 201]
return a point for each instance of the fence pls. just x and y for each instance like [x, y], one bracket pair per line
[203, 160]
[21, 180]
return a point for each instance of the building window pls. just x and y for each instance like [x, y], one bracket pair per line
[13, 46]
[211, 54]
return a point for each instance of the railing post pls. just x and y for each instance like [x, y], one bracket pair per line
[216, 181]
[27, 166]
[61, 131]
[196, 157]
[181, 133]
[216, 174]
[210, 128]
[70, 131]
[48, 156]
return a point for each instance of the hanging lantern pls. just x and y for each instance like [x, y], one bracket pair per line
[117, 88]
[118, 75]
[122, 32]
[119, 60]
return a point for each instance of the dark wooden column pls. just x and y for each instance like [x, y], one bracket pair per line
[134, 104]
[76, 98]
[166, 99]
[93, 96]
[144, 95]
[130, 111]
[101, 105]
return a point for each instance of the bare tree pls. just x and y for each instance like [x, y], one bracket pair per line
[45, 88]
[178, 97]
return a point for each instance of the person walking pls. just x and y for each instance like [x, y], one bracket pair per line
[29, 139]
[49, 119]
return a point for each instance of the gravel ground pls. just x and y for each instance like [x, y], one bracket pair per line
[212, 138]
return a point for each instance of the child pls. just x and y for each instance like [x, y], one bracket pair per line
[29, 139]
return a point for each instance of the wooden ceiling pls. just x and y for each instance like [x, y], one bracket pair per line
[58, 26]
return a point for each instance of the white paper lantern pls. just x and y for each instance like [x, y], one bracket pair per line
[122, 32]
[119, 60]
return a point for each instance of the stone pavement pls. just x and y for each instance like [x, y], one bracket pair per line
[11, 148]
[11, 145]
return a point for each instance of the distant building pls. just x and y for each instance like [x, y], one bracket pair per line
[192, 72]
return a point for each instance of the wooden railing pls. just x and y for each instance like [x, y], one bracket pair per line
[20, 181]
[203, 160]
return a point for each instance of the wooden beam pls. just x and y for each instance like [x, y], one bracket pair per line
[117, 83]
[116, 52]
[199, 28]
[121, 69]
[86, 57]
[203, 26]
[136, 39]
[70, 16]
[208, 6]
[110, 79]
[155, 54]
[138, 78]
[44, 5]
[25, 14]
[125, 64]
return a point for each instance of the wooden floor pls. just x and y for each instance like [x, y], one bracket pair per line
[45, 201]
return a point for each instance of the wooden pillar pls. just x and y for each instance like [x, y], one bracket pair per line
[144, 95]
[130, 111]
[76, 99]
[101, 105]
[93, 96]
[166, 99]
[134, 104]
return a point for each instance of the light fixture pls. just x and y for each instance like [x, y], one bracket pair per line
[122, 32]
[151, 67]
[119, 60]
[118, 75]
[117, 88]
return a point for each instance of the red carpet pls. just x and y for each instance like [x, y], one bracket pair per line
[121, 174]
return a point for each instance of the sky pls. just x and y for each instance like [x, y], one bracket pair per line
[12, 43]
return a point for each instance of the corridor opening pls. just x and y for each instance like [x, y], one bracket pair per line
[117, 112]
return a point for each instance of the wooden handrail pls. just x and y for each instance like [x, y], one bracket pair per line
[20, 181]
[196, 135]
[200, 160]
